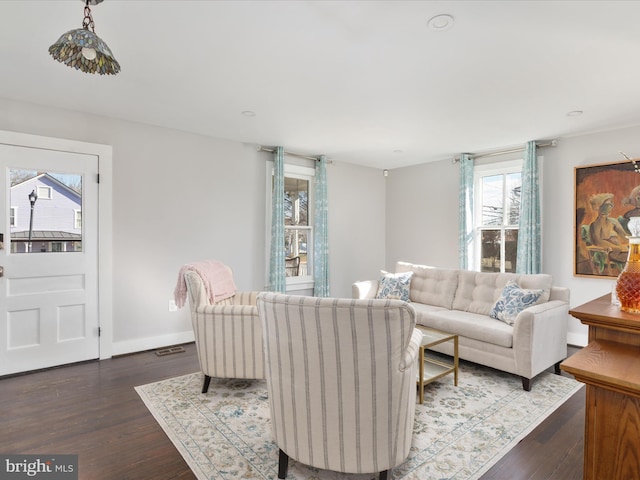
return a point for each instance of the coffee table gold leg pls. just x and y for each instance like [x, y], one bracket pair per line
[421, 373]
[455, 360]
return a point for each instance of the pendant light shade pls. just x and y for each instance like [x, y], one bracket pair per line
[83, 50]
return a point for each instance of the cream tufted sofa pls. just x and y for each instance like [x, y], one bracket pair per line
[459, 301]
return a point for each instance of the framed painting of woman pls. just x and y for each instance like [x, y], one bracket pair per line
[606, 197]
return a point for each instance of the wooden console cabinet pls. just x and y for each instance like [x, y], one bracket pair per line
[610, 367]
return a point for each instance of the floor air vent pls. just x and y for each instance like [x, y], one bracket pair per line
[169, 351]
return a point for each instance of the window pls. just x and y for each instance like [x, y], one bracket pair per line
[44, 193]
[298, 224]
[77, 219]
[497, 190]
[13, 216]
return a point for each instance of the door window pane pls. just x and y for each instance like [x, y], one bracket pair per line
[50, 206]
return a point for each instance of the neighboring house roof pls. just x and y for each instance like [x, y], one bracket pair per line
[45, 235]
[49, 177]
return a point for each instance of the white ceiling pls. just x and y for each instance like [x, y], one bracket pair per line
[364, 82]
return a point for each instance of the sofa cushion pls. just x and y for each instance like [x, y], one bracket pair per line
[477, 292]
[430, 285]
[394, 285]
[470, 325]
[512, 301]
[423, 310]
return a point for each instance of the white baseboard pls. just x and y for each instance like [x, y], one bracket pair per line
[150, 343]
[577, 339]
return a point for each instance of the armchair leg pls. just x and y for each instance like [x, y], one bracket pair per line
[556, 368]
[207, 381]
[283, 464]
[384, 475]
[526, 384]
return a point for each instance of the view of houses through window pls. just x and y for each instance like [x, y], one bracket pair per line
[45, 211]
[497, 197]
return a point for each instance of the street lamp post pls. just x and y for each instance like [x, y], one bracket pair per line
[33, 196]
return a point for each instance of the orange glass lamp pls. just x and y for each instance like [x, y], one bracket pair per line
[628, 284]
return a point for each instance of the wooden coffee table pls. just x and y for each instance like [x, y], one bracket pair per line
[430, 369]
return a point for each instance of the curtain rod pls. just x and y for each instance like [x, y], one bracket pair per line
[551, 143]
[260, 148]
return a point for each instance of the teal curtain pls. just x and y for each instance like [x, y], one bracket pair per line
[529, 238]
[277, 275]
[465, 212]
[321, 232]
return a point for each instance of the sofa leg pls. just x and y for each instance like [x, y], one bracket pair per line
[526, 384]
[283, 464]
[384, 475]
[556, 368]
[207, 381]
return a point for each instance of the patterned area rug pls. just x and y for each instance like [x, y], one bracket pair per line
[459, 432]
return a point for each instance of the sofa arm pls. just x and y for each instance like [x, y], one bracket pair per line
[364, 289]
[540, 337]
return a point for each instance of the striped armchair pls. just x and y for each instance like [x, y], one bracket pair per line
[228, 334]
[341, 377]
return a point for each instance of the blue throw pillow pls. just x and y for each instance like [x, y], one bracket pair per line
[394, 286]
[512, 301]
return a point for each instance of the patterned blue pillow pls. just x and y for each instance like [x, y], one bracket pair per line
[394, 286]
[512, 301]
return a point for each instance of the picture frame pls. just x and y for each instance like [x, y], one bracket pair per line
[606, 196]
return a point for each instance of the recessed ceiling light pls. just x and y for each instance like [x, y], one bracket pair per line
[440, 22]
[249, 113]
[574, 113]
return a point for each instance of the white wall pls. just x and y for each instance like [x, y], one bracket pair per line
[422, 212]
[180, 198]
[357, 225]
[422, 215]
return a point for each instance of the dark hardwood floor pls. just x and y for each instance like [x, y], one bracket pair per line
[92, 410]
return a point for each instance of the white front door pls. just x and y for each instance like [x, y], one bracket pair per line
[49, 288]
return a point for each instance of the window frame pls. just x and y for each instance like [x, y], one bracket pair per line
[44, 188]
[304, 282]
[13, 217]
[77, 219]
[487, 170]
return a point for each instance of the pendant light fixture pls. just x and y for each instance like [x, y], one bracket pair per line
[83, 50]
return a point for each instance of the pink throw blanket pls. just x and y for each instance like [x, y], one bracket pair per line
[216, 277]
